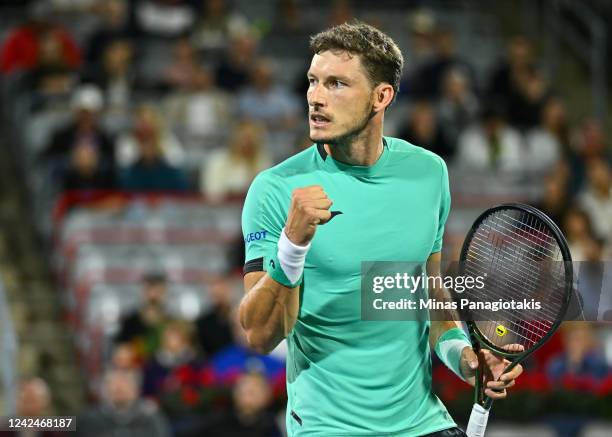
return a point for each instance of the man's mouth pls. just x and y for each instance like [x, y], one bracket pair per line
[319, 120]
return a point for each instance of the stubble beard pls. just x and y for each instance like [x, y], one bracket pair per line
[347, 138]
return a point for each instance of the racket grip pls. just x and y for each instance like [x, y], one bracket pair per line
[478, 421]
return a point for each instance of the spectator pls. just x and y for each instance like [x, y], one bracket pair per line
[596, 200]
[518, 85]
[429, 77]
[122, 411]
[21, 48]
[184, 67]
[214, 326]
[124, 357]
[52, 75]
[87, 103]
[33, 400]
[142, 327]
[267, 101]
[578, 230]
[175, 356]
[422, 130]
[421, 42]
[148, 127]
[116, 78]
[250, 414]
[152, 172]
[114, 26]
[457, 107]
[555, 200]
[580, 356]
[422, 31]
[526, 103]
[504, 80]
[491, 144]
[548, 142]
[232, 73]
[589, 143]
[264, 100]
[217, 26]
[164, 18]
[199, 109]
[86, 172]
[230, 171]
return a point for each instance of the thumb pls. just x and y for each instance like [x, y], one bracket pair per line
[469, 356]
[469, 364]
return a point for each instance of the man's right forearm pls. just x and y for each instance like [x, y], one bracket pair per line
[268, 311]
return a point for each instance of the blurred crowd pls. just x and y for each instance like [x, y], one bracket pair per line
[175, 377]
[195, 377]
[182, 96]
[215, 111]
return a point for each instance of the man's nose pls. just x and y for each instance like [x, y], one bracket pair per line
[316, 96]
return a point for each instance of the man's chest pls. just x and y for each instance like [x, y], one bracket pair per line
[375, 222]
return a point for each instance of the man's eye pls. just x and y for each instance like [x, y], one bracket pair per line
[337, 84]
[311, 81]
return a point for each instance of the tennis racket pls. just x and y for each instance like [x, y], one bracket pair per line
[522, 254]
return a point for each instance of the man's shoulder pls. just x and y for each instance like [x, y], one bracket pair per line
[300, 163]
[402, 148]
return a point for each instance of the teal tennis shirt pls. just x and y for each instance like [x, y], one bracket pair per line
[345, 376]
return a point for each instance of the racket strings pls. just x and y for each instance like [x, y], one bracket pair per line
[515, 259]
[529, 333]
[537, 330]
[520, 257]
[512, 279]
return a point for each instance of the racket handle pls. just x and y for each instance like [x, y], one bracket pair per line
[478, 421]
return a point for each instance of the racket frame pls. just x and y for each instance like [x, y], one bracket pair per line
[478, 340]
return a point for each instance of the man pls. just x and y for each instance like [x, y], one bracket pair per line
[122, 411]
[346, 376]
[33, 400]
[142, 327]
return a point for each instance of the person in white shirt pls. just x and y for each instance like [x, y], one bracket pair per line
[491, 145]
[231, 170]
[199, 109]
[165, 18]
[596, 200]
[546, 142]
[148, 126]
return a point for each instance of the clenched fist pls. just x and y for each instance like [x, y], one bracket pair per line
[309, 208]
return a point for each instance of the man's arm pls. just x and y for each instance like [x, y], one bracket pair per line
[268, 311]
[442, 322]
[270, 307]
[446, 320]
[493, 365]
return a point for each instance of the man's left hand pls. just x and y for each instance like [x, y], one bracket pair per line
[492, 367]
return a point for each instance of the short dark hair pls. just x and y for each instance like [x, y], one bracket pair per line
[380, 56]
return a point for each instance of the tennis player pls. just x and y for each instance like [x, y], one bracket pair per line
[310, 221]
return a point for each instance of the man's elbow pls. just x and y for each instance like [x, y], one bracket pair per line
[260, 342]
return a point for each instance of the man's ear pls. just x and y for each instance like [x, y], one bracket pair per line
[383, 96]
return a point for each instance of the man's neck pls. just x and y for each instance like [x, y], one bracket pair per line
[363, 150]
